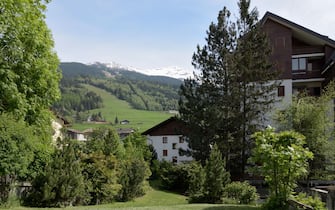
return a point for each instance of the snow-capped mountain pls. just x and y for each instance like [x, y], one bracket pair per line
[174, 71]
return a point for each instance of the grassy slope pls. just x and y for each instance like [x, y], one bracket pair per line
[139, 119]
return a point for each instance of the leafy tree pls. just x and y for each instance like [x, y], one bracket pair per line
[116, 121]
[16, 152]
[228, 100]
[282, 159]
[216, 176]
[314, 201]
[29, 80]
[29, 73]
[310, 116]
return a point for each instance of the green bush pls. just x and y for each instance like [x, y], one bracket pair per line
[242, 192]
[132, 178]
[276, 203]
[313, 201]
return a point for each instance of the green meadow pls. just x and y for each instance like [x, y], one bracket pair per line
[154, 200]
[113, 107]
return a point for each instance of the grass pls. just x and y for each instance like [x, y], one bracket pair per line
[140, 120]
[154, 200]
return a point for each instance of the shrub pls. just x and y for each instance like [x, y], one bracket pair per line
[276, 203]
[313, 201]
[132, 178]
[174, 177]
[196, 184]
[62, 184]
[242, 192]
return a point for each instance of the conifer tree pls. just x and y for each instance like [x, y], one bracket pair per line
[256, 76]
[207, 101]
[228, 100]
[63, 182]
[216, 176]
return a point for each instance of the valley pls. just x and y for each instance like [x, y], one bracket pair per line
[97, 95]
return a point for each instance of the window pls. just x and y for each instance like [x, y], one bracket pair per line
[174, 159]
[181, 139]
[165, 140]
[281, 91]
[174, 146]
[165, 152]
[299, 64]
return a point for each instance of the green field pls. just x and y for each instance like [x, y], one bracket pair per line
[154, 200]
[139, 119]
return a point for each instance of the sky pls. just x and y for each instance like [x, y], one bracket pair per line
[150, 34]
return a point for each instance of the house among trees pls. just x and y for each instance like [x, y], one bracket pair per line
[79, 135]
[167, 139]
[304, 57]
[124, 132]
[306, 62]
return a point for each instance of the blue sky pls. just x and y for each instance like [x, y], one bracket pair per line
[158, 33]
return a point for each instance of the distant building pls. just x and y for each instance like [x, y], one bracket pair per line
[124, 132]
[167, 138]
[79, 135]
[124, 122]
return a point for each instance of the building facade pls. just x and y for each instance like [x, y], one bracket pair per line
[304, 57]
[168, 138]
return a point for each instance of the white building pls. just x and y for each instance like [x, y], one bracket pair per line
[167, 138]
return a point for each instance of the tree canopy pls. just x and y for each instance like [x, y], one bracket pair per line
[29, 78]
[29, 74]
[281, 158]
[311, 117]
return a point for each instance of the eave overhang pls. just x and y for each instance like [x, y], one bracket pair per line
[300, 32]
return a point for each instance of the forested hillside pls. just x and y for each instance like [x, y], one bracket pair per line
[143, 92]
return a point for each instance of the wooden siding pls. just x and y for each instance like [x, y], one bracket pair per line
[171, 126]
[281, 42]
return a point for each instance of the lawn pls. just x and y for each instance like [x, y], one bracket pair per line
[139, 119]
[154, 200]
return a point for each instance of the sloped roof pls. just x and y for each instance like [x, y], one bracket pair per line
[171, 126]
[300, 31]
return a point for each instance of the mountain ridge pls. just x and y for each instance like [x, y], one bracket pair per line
[171, 71]
[75, 69]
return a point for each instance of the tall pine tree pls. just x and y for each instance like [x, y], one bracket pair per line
[207, 101]
[228, 100]
[257, 82]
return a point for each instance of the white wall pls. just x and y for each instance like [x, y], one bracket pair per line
[157, 142]
[281, 102]
[81, 137]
